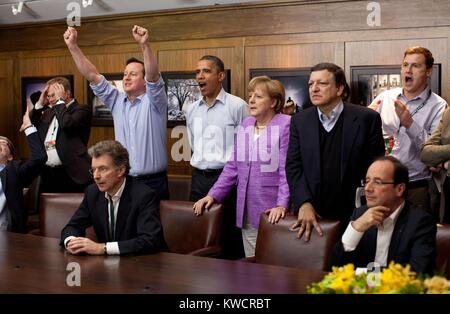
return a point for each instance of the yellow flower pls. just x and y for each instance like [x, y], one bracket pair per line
[437, 285]
[343, 278]
[394, 279]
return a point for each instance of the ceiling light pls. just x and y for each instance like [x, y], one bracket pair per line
[87, 3]
[17, 10]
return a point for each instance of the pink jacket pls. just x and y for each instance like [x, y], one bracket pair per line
[257, 167]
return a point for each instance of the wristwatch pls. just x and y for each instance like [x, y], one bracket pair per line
[105, 252]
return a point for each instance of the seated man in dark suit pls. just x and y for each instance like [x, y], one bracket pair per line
[15, 175]
[123, 212]
[388, 228]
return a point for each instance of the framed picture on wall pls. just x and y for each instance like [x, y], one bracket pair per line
[32, 87]
[367, 82]
[182, 90]
[295, 83]
[101, 115]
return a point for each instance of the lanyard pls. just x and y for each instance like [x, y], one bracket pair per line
[422, 104]
[417, 109]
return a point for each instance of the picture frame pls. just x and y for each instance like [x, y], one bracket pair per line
[369, 81]
[31, 86]
[182, 90]
[294, 80]
[101, 115]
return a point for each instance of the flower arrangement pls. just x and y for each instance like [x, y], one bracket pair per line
[396, 279]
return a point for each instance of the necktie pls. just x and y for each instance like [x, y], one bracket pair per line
[111, 219]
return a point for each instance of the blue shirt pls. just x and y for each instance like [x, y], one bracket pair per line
[328, 123]
[139, 125]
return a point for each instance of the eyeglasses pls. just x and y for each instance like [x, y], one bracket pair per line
[101, 170]
[376, 182]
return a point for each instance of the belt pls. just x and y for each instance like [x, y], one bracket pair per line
[418, 184]
[151, 175]
[208, 172]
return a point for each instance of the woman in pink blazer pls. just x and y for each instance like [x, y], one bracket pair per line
[257, 163]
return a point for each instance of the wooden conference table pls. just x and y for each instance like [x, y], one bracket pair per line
[32, 264]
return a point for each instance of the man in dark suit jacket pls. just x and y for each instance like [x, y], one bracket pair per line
[388, 228]
[15, 175]
[331, 146]
[64, 127]
[123, 211]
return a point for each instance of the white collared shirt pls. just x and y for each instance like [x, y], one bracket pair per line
[53, 159]
[408, 142]
[211, 129]
[328, 123]
[112, 248]
[351, 237]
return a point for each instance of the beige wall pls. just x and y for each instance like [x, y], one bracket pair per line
[279, 35]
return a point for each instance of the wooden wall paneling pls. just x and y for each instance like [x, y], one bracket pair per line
[178, 146]
[7, 109]
[100, 134]
[235, 20]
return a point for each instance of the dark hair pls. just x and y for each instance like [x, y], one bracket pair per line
[12, 149]
[115, 150]
[135, 60]
[401, 173]
[218, 63]
[273, 87]
[429, 60]
[63, 81]
[338, 74]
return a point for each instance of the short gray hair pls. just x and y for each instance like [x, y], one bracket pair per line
[115, 150]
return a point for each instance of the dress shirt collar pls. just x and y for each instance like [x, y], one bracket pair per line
[335, 113]
[423, 96]
[393, 217]
[2, 166]
[70, 102]
[221, 97]
[125, 98]
[119, 192]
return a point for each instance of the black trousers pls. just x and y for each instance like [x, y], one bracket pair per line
[231, 237]
[158, 182]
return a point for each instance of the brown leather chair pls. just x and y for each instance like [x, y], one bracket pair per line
[55, 211]
[443, 249]
[179, 187]
[277, 245]
[186, 233]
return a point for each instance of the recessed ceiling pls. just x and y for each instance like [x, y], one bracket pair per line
[49, 10]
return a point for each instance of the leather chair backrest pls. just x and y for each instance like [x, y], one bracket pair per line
[185, 232]
[277, 245]
[55, 211]
[443, 249]
[179, 187]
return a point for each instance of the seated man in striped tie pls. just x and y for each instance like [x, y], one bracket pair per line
[123, 211]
